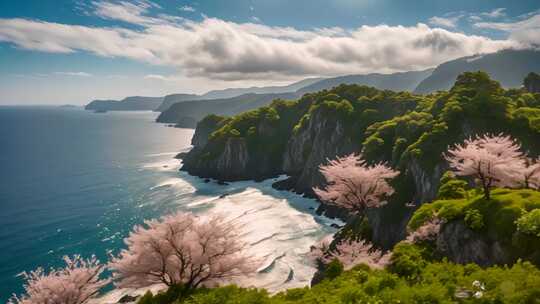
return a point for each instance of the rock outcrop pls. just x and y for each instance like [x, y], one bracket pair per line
[322, 137]
[463, 245]
[234, 161]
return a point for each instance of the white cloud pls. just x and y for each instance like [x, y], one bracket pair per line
[475, 18]
[496, 13]
[78, 74]
[131, 12]
[493, 14]
[157, 77]
[224, 50]
[526, 31]
[447, 22]
[187, 8]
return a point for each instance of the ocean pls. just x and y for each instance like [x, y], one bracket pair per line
[76, 182]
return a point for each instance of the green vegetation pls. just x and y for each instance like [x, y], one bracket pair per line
[529, 223]
[413, 277]
[410, 132]
[451, 187]
[532, 82]
[499, 213]
[395, 127]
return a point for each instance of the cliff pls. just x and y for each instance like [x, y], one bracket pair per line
[409, 132]
[481, 231]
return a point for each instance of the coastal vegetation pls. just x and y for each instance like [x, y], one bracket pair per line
[467, 201]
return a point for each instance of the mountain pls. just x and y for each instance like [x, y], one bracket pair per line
[193, 111]
[169, 100]
[405, 81]
[508, 67]
[233, 92]
[196, 109]
[408, 132]
[133, 103]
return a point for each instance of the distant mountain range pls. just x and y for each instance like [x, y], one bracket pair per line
[186, 114]
[406, 81]
[509, 67]
[133, 103]
[234, 92]
[169, 100]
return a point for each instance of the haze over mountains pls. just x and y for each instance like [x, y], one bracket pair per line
[406, 81]
[132, 103]
[187, 114]
[508, 67]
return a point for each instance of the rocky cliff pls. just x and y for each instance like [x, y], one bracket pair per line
[409, 132]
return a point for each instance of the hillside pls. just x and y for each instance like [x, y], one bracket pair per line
[134, 103]
[220, 95]
[234, 92]
[171, 99]
[443, 239]
[194, 111]
[406, 81]
[409, 132]
[508, 67]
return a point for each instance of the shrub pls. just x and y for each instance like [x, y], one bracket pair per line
[474, 219]
[451, 187]
[529, 223]
[407, 261]
[333, 269]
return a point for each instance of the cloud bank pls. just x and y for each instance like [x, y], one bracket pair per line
[225, 50]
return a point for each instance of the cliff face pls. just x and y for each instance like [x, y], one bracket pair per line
[235, 161]
[463, 245]
[322, 137]
[319, 138]
[232, 163]
[407, 131]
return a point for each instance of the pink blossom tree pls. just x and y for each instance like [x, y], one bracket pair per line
[492, 160]
[355, 186]
[350, 254]
[182, 249]
[76, 283]
[427, 232]
[531, 174]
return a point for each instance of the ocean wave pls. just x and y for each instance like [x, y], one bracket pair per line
[265, 239]
[266, 268]
[162, 154]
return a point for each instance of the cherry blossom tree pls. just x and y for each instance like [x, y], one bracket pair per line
[492, 160]
[350, 254]
[427, 232]
[76, 283]
[531, 174]
[182, 248]
[355, 186]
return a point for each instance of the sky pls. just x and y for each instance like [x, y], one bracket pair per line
[71, 52]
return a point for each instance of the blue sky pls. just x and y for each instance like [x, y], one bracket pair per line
[55, 52]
